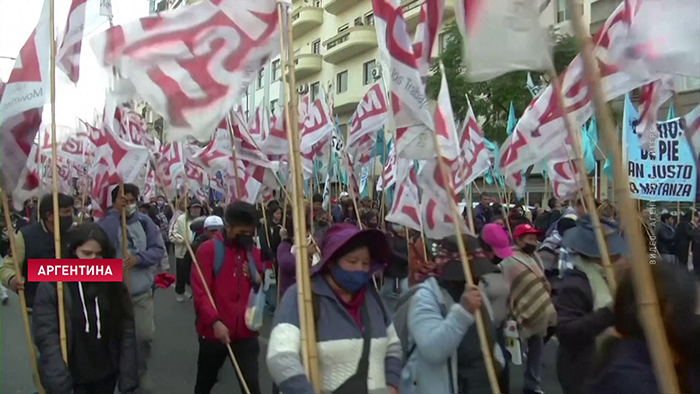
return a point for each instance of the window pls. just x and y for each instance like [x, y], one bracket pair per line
[275, 70]
[342, 82]
[358, 22]
[343, 28]
[564, 12]
[367, 69]
[261, 77]
[316, 47]
[315, 90]
[317, 3]
[369, 19]
[273, 106]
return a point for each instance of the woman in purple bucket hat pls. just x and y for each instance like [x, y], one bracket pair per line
[359, 350]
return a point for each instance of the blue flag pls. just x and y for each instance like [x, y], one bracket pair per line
[590, 140]
[671, 112]
[512, 120]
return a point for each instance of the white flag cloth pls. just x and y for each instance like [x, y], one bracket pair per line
[652, 97]
[368, 119]
[106, 8]
[406, 207]
[541, 129]
[68, 56]
[193, 64]
[22, 102]
[663, 38]
[427, 31]
[411, 116]
[475, 156]
[501, 36]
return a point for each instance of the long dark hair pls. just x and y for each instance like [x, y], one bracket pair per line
[120, 305]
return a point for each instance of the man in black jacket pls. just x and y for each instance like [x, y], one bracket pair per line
[665, 239]
[396, 272]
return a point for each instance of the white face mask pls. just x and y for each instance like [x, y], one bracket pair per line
[130, 210]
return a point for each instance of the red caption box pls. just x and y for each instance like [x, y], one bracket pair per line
[53, 270]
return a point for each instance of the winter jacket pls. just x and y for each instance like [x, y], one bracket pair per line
[398, 263]
[339, 340]
[286, 266]
[482, 217]
[230, 289]
[55, 376]
[437, 337]
[665, 239]
[629, 370]
[149, 252]
[578, 327]
[178, 232]
[682, 240]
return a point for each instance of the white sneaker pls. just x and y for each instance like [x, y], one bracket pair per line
[188, 294]
[180, 298]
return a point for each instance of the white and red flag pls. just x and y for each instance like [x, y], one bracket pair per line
[475, 156]
[29, 185]
[170, 164]
[541, 130]
[255, 162]
[406, 207]
[218, 153]
[389, 173]
[22, 102]
[436, 206]
[501, 36]
[368, 119]
[192, 64]
[409, 103]
[652, 97]
[68, 56]
[275, 143]
[427, 31]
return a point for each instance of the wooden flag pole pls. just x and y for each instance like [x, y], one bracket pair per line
[583, 179]
[235, 158]
[22, 296]
[456, 220]
[54, 168]
[309, 351]
[645, 291]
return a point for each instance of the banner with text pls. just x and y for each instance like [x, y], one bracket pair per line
[666, 172]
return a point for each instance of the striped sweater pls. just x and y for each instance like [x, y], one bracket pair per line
[339, 343]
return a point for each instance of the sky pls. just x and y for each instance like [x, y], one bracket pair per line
[17, 21]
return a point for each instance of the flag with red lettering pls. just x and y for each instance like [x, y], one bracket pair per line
[218, 153]
[368, 119]
[406, 207]
[255, 161]
[22, 102]
[652, 96]
[412, 119]
[194, 175]
[316, 124]
[135, 128]
[170, 163]
[259, 124]
[435, 199]
[564, 177]
[149, 189]
[68, 56]
[428, 28]
[29, 185]
[541, 129]
[444, 122]
[249, 187]
[500, 36]
[192, 64]
[275, 143]
[389, 173]
[475, 156]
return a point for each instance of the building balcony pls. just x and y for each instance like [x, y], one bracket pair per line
[305, 19]
[336, 7]
[306, 65]
[347, 101]
[350, 43]
[411, 12]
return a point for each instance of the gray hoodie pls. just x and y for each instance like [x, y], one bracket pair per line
[144, 242]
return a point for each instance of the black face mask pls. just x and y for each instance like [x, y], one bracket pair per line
[244, 240]
[529, 248]
[496, 260]
[65, 223]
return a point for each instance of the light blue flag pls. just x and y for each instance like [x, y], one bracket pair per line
[512, 120]
[590, 139]
[379, 149]
[608, 167]
[671, 112]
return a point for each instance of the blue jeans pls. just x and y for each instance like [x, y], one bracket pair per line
[391, 291]
[533, 365]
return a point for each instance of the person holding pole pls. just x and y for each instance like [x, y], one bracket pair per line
[359, 350]
[224, 262]
[145, 251]
[17, 222]
[42, 243]
[584, 302]
[100, 333]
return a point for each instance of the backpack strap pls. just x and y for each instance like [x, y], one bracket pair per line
[219, 252]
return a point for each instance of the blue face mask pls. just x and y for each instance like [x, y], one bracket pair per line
[350, 281]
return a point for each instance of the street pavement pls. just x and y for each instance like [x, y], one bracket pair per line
[174, 363]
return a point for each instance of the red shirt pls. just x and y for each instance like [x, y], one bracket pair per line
[353, 306]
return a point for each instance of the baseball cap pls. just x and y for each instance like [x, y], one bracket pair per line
[213, 223]
[523, 229]
[497, 238]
